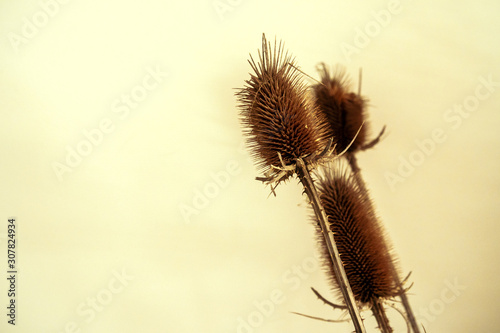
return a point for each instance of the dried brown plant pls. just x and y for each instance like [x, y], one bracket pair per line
[346, 115]
[359, 237]
[278, 117]
[287, 134]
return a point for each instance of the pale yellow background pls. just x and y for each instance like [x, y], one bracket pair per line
[119, 209]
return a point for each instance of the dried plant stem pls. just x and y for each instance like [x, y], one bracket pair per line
[379, 314]
[310, 189]
[351, 158]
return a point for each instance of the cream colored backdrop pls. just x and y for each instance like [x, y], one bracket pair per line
[121, 159]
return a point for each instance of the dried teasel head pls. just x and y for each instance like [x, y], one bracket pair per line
[359, 237]
[344, 110]
[280, 121]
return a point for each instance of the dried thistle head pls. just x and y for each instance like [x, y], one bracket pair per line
[359, 238]
[344, 110]
[280, 122]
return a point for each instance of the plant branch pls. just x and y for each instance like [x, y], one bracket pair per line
[380, 316]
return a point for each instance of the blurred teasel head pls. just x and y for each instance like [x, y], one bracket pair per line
[280, 122]
[344, 110]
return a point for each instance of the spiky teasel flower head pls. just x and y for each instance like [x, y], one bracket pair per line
[359, 237]
[344, 110]
[280, 122]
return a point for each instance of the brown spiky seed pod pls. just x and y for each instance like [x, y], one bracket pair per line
[359, 237]
[344, 110]
[277, 113]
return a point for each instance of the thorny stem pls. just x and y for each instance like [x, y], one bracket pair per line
[402, 294]
[380, 316]
[338, 267]
[333, 305]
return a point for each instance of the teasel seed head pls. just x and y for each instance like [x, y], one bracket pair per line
[277, 113]
[359, 237]
[344, 110]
